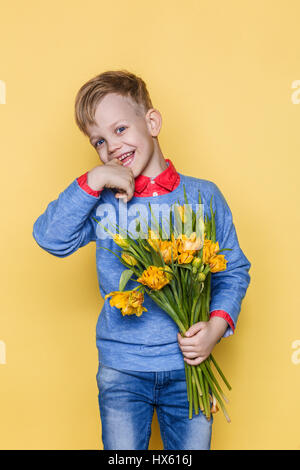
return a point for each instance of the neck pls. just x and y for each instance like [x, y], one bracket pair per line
[156, 165]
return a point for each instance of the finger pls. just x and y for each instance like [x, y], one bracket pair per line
[187, 341]
[131, 191]
[191, 355]
[187, 348]
[194, 362]
[121, 195]
[195, 328]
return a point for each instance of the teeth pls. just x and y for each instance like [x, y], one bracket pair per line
[126, 155]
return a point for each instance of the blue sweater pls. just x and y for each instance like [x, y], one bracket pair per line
[149, 342]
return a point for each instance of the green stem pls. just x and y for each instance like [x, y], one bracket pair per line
[200, 375]
[208, 368]
[195, 396]
[207, 399]
[207, 376]
[194, 372]
[190, 395]
[186, 378]
[220, 372]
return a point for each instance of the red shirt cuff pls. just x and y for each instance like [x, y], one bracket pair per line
[82, 181]
[223, 314]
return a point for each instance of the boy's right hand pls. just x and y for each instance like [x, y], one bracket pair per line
[113, 175]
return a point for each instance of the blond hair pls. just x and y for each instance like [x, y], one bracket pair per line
[112, 81]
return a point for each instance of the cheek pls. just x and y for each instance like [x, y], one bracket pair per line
[146, 146]
[102, 158]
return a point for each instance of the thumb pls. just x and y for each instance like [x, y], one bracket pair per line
[195, 328]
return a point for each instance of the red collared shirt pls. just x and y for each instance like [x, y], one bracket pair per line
[145, 186]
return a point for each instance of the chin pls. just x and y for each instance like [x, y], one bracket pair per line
[136, 170]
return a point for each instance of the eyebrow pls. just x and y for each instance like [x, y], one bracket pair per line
[112, 125]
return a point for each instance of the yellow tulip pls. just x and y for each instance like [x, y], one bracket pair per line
[209, 249]
[168, 249]
[190, 243]
[153, 240]
[185, 258]
[120, 241]
[130, 302]
[154, 278]
[217, 263]
[182, 213]
[129, 259]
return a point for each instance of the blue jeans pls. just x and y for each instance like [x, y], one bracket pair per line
[126, 402]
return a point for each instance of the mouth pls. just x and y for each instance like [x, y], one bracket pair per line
[127, 158]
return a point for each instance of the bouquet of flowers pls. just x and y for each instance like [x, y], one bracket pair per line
[175, 271]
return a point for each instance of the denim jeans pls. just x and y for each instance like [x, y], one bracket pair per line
[126, 402]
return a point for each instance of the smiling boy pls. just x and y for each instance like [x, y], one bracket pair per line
[141, 360]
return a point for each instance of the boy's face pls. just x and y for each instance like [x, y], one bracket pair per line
[120, 130]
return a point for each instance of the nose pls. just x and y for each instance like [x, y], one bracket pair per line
[112, 147]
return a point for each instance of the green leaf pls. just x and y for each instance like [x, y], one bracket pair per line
[124, 278]
[185, 197]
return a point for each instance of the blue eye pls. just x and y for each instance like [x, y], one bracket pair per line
[96, 144]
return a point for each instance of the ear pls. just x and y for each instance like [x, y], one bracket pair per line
[154, 121]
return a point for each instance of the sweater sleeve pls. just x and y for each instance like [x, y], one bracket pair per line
[228, 287]
[66, 224]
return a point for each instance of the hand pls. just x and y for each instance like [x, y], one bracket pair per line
[113, 175]
[200, 339]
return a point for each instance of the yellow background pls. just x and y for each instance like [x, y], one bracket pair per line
[221, 74]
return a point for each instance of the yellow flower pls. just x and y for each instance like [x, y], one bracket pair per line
[190, 243]
[201, 226]
[129, 259]
[185, 258]
[217, 263]
[120, 241]
[154, 278]
[182, 212]
[168, 248]
[130, 302]
[209, 249]
[153, 240]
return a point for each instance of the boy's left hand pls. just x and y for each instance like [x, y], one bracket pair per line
[200, 339]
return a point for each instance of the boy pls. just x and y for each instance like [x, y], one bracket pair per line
[141, 360]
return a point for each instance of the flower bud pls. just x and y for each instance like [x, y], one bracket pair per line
[196, 262]
[168, 276]
[129, 259]
[120, 241]
[201, 277]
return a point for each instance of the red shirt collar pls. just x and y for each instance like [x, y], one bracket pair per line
[166, 179]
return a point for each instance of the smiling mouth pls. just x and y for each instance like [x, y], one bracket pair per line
[127, 160]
